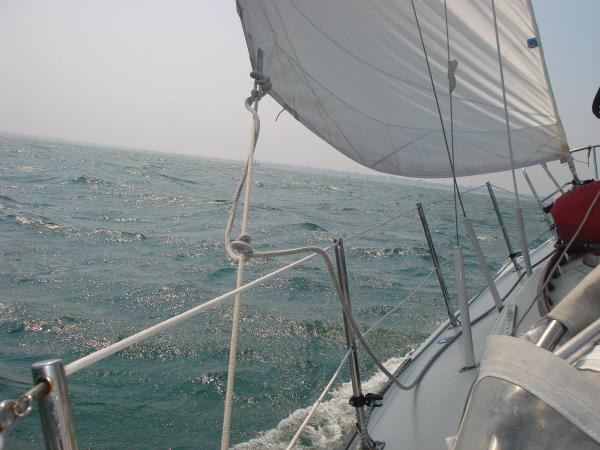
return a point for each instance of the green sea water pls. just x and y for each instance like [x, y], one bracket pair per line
[98, 243]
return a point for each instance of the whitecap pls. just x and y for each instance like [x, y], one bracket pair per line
[328, 427]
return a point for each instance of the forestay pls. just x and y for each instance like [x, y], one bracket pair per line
[355, 73]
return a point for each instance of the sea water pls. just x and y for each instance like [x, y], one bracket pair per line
[98, 243]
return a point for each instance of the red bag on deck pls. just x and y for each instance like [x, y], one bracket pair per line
[569, 210]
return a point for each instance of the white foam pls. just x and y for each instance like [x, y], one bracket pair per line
[330, 425]
[22, 220]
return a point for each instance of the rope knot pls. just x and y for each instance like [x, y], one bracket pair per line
[244, 237]
[242, 245]
[263, 85]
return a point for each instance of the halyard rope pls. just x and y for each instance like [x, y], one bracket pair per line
[242, 250]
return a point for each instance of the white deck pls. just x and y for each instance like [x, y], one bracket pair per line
[421, 419]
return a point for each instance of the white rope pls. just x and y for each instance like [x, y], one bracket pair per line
[140, 336]
[235, 326]
[101, 354]
[242, 250]
[235, 321]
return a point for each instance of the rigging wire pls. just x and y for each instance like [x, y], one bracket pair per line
[451, 91]
[506, 116]
[437, 103]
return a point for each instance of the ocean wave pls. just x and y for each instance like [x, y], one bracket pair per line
[311, 226]
[265, 207]
[218, 202]
[111, 235]
[487, 237]
[329, 187]
[163, 198]
[22, 220]
[223, 272]
[88, 180]
[25, 169]
[176, 179]
[7, 199]
[329, 426]
[371, 252]
[136, 235]
[122, 219]
[119, 236]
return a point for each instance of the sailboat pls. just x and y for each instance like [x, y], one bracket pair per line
[424, 89]
[448, 88]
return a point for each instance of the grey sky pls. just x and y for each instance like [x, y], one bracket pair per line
[172, 76]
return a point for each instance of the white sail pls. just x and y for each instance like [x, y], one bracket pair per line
[355, 73]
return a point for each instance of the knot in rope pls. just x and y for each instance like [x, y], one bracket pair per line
[242, 245]
[261, 87]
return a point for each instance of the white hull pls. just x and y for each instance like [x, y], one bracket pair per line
[423, 417]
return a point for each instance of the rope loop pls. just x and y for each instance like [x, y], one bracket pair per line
[242, 245]
[262, 86]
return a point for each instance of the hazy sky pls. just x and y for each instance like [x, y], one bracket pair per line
[172, 76]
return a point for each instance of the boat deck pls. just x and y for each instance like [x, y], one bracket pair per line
[422, 418]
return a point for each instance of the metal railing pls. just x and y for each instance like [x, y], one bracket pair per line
[50, 377]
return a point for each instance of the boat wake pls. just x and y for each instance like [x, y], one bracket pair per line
[329, 426]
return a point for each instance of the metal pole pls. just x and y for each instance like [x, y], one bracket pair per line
[465, 317]
[436, 263]
[483, 264]
[511, 253]
[580, 149]
[522, 233]
[572, 168]
[595, 163]
[552, 334]
[523, 236]
[537, 198]
[571, 347]
[59, 431]
[340, 259]
[558, 186]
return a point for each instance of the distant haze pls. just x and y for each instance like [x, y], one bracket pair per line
[172, 76]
